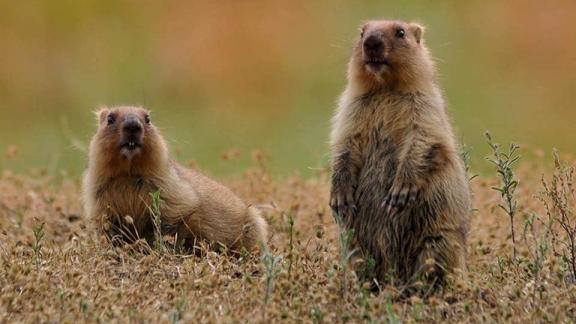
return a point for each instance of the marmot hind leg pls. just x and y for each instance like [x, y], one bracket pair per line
[440, 255]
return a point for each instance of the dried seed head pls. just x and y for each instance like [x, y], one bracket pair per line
[430, 262]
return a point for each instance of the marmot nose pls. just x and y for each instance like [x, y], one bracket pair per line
[373, 44]
[132, 126]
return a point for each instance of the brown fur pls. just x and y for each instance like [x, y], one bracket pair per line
[398, 179]
[118, 184]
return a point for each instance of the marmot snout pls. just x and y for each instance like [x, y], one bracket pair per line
[390, 53]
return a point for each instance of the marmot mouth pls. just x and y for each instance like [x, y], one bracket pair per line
[376, 62]
[130, 145]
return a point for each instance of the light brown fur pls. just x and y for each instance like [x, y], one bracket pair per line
[398, 179]
[118, 184]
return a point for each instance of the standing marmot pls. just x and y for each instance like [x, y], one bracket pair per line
[398, 180]
[128, 160]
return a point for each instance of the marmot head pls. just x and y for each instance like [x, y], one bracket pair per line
[390, 53]
[126, 139]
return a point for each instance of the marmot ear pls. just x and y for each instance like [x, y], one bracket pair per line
[418, 31]
[101, 114]
[363, 28]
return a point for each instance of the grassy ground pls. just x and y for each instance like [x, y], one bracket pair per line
[53, 268]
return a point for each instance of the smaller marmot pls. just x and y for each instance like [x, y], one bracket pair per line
[398, 179]
[129, 160]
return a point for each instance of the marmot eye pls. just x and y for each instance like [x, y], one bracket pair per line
[400, 33]
[147, 119]
[110, 119]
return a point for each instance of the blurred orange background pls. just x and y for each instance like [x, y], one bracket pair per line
[248, 75]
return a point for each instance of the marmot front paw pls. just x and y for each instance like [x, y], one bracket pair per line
[342, 202]
[400, 195]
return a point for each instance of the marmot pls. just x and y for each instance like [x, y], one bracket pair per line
[398, 179]
[128, 160]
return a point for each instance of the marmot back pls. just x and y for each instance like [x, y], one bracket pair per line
[129, 160]
[398, 179]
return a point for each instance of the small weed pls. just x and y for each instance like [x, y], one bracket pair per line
[466, 154]
[290, 244]
[559, 199]
[174, 317]
[271, 265]
[84, 307]
[364, 303]
[317, 315]
[345, 239]
[504, 162]
[537, 245]
[392, 318]
[37, 245]
[157, 220]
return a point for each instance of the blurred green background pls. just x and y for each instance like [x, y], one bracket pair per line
[234, 76]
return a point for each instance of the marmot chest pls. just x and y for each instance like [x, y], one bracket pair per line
[377, 134]
[127, 195]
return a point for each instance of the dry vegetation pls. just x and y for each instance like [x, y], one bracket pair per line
[52, 268]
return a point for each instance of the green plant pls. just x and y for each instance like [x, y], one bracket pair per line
[345, 239]
[271, 263]
[559, 200]
[504, 162]
[537, 245]
[157, 220]
[84, 307]
[37, 245]
[317, 315]
[392, 317]
[465, 153]
[290, 243]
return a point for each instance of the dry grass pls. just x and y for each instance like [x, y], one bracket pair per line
[69, 275]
